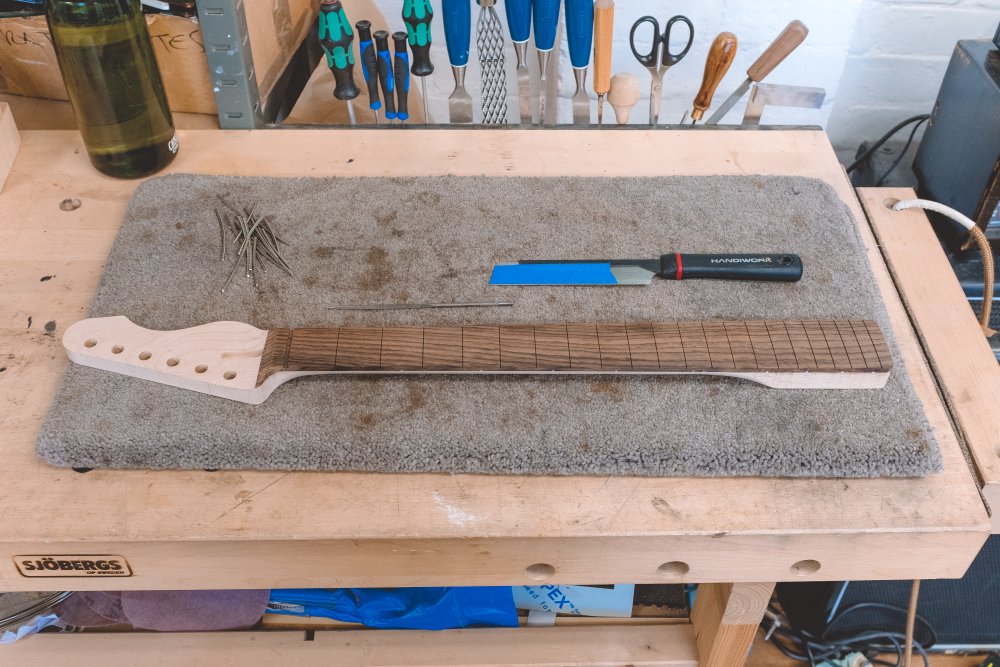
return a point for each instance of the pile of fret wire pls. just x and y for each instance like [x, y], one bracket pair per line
[254, 242]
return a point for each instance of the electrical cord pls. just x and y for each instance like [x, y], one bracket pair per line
[803, 646]
[861, 159]
[981, 241]
[902, 153]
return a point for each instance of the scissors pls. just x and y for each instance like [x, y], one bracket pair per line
[666, 58]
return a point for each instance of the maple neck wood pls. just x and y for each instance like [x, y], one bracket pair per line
[240, 362]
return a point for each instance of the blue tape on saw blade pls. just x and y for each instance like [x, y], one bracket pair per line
[590, 273]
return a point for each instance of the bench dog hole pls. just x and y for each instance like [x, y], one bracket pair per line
[804, 567]
[539, 571]
[674, 568]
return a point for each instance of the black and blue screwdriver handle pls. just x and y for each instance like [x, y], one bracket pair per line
[385, 76]
[369, 64]
[782, 267]
[401, 73]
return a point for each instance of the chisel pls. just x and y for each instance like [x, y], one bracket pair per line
[336, 38]
[545, 19]
[519, 25]
[781, 267]
[580, 37]
[720, 57]
[457, 31]
[786, 42]
[383, 66]
[401, 73]
[604, 22]
[369, 64]
[417, 15]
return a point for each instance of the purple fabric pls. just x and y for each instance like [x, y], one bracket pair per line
[188, 611]
[166, 611]
[88, 609]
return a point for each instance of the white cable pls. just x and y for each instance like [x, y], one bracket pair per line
[948, 211]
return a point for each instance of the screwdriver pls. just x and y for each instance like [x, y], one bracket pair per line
[604, 22]
[417, 15]
[401, 73]
[369, 65]
[789, 39]
[384, 68]
[720, 57]
[336, 37]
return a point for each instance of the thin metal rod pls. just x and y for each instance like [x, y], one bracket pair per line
[911, 618]
[414, 306]
[423, 93]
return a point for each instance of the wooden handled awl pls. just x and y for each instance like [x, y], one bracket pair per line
[242, 363]
[604, 22]
[789, 39]
[720, 57]
[623, 94]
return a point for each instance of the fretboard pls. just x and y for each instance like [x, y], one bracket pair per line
[853, 346]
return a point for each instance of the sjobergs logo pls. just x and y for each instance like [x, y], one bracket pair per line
[73, 566]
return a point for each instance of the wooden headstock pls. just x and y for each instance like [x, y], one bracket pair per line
[221, 358]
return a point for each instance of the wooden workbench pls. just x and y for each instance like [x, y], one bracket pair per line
[192, 529]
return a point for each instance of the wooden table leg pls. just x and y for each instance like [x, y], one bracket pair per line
[725, 618]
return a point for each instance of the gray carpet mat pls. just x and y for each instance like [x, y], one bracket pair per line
[435, 239]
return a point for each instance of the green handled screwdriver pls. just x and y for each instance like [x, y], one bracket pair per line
[369, 64]
[401, 73]
[336, 37]
[384, 68]
[417, 15]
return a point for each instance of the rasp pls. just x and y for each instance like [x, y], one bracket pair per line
[782, 267]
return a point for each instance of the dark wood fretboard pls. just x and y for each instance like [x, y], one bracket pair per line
[760, 346]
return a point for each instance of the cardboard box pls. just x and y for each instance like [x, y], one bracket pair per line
[28, 63]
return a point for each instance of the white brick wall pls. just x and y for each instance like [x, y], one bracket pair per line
[897, 58]
[878, 60]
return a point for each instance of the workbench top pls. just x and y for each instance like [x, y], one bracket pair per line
[260, 529]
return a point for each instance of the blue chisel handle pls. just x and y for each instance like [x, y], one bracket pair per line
[457, 28]
[518, 19]
[546, 20]
[579, 31]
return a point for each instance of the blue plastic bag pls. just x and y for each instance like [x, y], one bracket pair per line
[402, 608]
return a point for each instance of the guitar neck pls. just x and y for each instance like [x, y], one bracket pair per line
[698, 346]
[242, 363]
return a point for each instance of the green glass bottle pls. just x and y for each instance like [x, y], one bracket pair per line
[114, 84]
